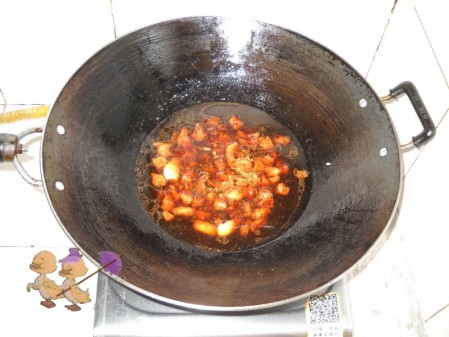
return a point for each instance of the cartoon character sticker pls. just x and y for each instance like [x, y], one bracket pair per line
[45, 263]
[73, 266]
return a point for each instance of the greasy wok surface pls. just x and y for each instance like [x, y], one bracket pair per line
[124, 91]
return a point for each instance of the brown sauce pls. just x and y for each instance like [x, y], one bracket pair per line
[286, 209]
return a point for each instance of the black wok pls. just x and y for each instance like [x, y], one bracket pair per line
[109, 106]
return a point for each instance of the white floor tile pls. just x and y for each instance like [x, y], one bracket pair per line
[433, 15]
[382, 292]
[22, 314]
[27, 219]
[350, 28]
[424, 224]
[44, 42]
[405, 54]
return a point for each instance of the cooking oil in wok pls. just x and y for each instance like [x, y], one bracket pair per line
[287, 208]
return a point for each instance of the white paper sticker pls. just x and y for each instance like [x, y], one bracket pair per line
[323, 316]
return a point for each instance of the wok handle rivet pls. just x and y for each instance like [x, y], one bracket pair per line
[59, 186]
[60, 130]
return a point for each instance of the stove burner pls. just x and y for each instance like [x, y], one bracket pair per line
[120, 311]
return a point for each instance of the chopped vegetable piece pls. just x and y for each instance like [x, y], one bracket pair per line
[226, 228]
[183, 211]
[167, 216]
[205, 227]
[171, 170]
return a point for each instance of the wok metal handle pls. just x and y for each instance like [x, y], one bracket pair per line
[429, 130]
[10, 148]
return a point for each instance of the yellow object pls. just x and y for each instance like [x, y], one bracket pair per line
[44, 263]
[17, 115]
[71, 269]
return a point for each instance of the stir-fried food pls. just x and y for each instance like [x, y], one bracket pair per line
[222, 176]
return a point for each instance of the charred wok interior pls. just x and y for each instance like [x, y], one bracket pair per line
[127, 89]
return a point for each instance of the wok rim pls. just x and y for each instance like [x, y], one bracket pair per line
[245, 308]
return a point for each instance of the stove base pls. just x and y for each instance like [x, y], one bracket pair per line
[121, 312]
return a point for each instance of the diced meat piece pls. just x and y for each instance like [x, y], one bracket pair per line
[272, 171]
[282, 165]
[220, 164]
[266, 144]
[244, 230]
[184, 139]
[220, 204]
[259, 166]
[210, 197]
[159, 162]
[202, 215]
[158, 180]
[249, 192]
[268, 160]
[259, 213]
[198, 200]
[235, 122]
[163, 149]
[253, 138]
[264, 180]
[256, 224]
[234, 195]
[246, 209]
[168, 203]
[282, 189]
[199, 134]
[243, 165]
[282, 140]
[265, 198]
[213, 120]
[300, 174]
[186, 197]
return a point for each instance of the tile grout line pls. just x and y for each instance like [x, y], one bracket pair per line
[430, 43]
[113, 18]
[3, 96]
[381, 38]
[442, 73]
[436, 313]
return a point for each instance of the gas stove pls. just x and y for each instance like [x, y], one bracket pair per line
[120, 312]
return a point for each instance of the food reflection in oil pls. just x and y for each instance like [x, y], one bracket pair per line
[222, 176]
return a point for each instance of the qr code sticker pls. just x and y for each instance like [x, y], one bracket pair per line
[323, 315]
[324, 309]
